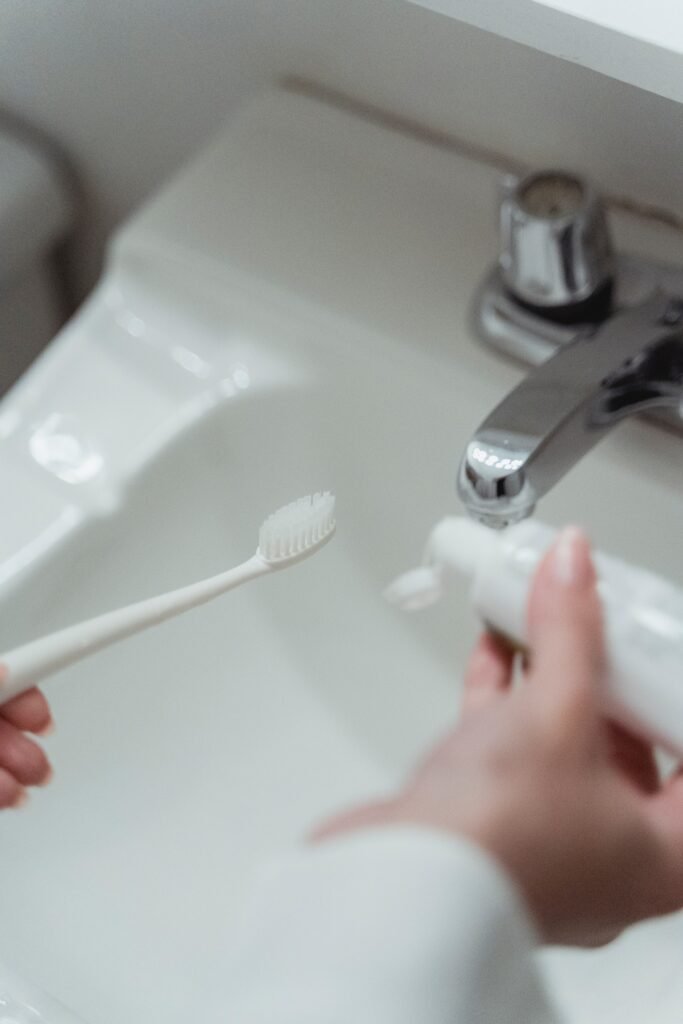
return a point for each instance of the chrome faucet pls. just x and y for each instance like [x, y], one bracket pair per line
[606, 329]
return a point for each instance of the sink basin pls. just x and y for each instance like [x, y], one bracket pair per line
[289, 315]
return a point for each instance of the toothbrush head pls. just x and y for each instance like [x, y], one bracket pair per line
[297, 530]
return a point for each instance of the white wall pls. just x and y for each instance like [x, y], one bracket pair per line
[641, 44]
[134, 86]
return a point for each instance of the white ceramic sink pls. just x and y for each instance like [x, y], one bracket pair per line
[289, 315]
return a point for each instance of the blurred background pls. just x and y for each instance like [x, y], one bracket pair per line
[112, 98]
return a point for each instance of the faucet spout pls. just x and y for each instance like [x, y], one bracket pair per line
[630, 363]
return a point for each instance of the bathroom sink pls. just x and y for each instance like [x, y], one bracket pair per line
[289, 315]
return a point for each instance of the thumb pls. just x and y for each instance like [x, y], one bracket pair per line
[565, 635]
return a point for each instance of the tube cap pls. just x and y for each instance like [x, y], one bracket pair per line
[461, 544]
[416, 589]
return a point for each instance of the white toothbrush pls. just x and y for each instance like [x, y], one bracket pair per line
[287, 536]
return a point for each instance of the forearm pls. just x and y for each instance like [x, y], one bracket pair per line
[387, 926]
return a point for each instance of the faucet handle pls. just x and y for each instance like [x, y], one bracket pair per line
[555, 247]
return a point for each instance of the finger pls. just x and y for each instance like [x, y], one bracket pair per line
[21, 757]
[488, 674]
[664, 813]
[600, 938]
[29, 712]
[633, 757]
[565, 635]
[12, 793]
[669, 803]
[665, 810]
[367, 816]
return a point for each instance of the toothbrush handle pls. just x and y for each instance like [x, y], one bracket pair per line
[27, 665]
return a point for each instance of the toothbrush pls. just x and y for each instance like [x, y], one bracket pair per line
[287, 536]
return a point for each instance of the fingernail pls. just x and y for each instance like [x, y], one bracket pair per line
[47, 730]
[571, 562]
[20, 799]
[48, 778]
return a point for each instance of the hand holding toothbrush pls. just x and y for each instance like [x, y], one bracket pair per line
[23, 763]
[286, 537]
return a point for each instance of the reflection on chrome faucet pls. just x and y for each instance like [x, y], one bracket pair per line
[607, 332]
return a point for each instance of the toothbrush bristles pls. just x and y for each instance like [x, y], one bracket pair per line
[298, 528]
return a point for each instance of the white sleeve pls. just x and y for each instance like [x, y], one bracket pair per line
[395, 925]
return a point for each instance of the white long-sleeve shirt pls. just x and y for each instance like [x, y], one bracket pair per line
[396, 925]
